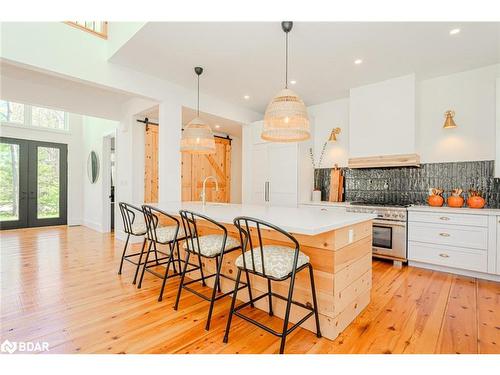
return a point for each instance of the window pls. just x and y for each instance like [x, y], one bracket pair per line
[11, 112]
[32, 116]
[99, 28]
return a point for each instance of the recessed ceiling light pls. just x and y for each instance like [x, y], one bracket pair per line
[246, 97]
[217, 126]
[293, 82]
[358, 61]
[454, 31]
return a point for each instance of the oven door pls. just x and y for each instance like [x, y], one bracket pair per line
[389, 239]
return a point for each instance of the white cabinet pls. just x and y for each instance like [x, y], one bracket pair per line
[463, 243]
[274, 174]
[498, 245]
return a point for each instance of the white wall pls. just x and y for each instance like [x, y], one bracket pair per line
[325, 117]
[497, 163]
[236, 170]
[75, 160]
[94, 130]
[471, 95]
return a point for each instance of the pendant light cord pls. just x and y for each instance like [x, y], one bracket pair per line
[286, 61]
[198, 103]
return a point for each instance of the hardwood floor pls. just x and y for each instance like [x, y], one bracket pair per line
[60, 285]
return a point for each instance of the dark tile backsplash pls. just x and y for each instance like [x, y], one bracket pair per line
[410, 185]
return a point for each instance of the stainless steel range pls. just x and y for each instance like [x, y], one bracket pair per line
[389, 229]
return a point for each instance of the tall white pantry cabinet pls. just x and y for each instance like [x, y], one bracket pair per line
[274, 174]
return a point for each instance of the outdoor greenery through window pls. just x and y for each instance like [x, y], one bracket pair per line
[9, 182]
[32, 116]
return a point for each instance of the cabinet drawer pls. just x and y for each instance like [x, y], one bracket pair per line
[453, 235]
[468, 259]
[324, 208]
[444, 218]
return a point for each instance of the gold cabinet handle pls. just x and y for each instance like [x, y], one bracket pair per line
[444, 234]
[443, 255]
[444, 218]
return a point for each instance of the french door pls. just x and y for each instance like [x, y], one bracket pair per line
[33, 183]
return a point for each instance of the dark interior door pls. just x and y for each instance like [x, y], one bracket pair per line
[35, 191]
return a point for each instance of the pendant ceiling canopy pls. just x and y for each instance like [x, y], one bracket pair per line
[286, 118]
[197, 136]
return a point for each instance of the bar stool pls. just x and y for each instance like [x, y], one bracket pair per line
[274, 263]
[157, 234]
[211, 246]
[133, 225]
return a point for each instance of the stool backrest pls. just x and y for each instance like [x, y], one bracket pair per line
[246, 225]
[189, 223]
[152, 216]
[129, 213]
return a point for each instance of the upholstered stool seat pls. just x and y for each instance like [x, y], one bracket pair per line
[167, 233]
[139, 228]
[278, 260]
[211, 244]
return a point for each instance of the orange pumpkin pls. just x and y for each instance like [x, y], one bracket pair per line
[476, 202]
[455, 201]
[435, 200]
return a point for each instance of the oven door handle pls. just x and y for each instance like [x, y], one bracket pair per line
[389, 223]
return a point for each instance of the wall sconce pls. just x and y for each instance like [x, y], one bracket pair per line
[448, 122]
[333, 135]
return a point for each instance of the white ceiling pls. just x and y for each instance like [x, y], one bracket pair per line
[247, 58]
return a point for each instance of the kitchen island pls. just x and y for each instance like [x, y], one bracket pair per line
[339, 246]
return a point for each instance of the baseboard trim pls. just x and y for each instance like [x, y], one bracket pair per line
[458, 271]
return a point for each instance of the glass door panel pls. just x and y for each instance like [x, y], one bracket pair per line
[48, 183]
[9, 182]
[13, 183]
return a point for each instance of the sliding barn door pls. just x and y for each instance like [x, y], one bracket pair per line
[151, 164]
[195, 168]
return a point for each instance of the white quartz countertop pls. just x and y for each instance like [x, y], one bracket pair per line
[462, 210]
[300, 220]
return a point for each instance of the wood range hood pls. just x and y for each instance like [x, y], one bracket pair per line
[385, 161]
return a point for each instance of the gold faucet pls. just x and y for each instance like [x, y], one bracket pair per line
[203, 192]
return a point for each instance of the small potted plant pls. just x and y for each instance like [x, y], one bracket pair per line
[435, 198]
[455, 199]
[475, 199]
[316, 193]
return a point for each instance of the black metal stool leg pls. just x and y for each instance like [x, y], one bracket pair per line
[287, 313]
[233, 302]
[271, 313]
[178, 256]
[146, 262]
[123, 254]
[315, 303]
[217, 267]
[201, 271]
[165, 277]
[140, 260]
[249, 288]
[182, 281]
[171, 247]
[214, 290]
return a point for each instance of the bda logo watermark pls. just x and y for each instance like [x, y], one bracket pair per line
[24, 346]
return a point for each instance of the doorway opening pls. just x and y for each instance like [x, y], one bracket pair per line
[34, 182]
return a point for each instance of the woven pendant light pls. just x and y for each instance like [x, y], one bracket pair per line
[286, 118]
[197, 136]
